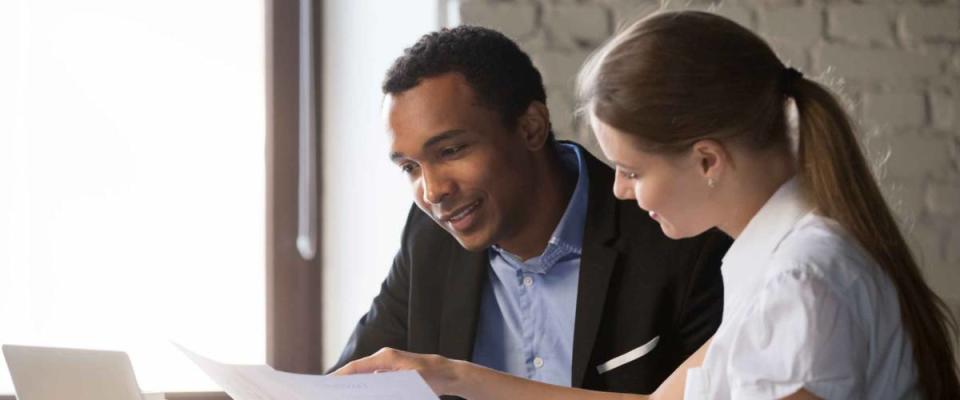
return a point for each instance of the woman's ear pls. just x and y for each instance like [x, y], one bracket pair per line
[712, 158]
[534, 125]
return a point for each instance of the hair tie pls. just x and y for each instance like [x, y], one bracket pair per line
[788, 78]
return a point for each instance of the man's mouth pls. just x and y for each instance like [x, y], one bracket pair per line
[461, 219]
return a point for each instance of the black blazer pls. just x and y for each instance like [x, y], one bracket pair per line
[635, 284]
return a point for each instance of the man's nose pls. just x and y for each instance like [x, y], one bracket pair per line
[436, 186]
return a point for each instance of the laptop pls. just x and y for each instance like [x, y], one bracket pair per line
[47, 373]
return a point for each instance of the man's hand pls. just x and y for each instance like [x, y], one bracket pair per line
[441, 373]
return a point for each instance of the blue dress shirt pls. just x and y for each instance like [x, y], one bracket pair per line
[528, 308]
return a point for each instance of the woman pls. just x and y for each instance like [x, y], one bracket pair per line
[822, 296]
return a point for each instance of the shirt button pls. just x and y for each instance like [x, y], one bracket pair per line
[538, 362]
[528, 281]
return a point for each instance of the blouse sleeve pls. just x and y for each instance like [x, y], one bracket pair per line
[800, 333]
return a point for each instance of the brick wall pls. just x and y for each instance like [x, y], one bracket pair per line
[896, 62]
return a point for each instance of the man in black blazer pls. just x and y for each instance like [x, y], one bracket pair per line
[466, 112]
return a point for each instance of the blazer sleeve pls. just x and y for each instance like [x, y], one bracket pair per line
[385, 324]
[702, 306]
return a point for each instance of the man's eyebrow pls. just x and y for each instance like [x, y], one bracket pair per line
[443, 136]
[447, 135]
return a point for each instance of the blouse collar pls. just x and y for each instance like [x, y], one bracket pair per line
[746, 260]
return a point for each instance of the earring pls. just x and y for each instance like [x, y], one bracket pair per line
[711, 183]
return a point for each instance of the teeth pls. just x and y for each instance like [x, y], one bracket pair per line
[463, 213]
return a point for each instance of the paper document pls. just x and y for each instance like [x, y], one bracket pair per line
[261, 382]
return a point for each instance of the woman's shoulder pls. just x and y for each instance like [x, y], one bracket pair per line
[819, 276]
[820, 256]
[820, 248]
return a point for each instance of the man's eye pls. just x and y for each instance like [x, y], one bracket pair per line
[408, 168]
[451, 151]
[628, 175]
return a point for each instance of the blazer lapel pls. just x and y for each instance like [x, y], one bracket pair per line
[596, 265]
[466, 273]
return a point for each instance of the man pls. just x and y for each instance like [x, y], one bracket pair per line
[517, 256]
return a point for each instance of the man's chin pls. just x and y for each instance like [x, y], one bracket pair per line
[473, 243]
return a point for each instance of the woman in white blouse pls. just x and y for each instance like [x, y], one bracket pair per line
[822, 296]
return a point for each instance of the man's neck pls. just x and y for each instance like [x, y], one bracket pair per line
[547, 204]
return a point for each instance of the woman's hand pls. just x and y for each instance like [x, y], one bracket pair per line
[441, 373]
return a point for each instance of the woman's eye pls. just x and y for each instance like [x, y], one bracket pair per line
[628, 175]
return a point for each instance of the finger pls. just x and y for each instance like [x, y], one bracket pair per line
[355, 367]
[379, 361]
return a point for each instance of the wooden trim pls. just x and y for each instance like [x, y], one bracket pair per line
[294, 319]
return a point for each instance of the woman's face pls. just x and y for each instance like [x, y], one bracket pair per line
[672, 188]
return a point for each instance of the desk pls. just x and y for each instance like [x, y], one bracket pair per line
[169, 396]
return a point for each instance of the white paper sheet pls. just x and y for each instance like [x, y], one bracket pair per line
[261, 382]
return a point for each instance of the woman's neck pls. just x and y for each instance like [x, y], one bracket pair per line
[750, 187]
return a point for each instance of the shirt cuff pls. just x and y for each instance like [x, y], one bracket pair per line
[697, 384]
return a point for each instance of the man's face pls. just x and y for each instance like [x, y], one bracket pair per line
[466, 169]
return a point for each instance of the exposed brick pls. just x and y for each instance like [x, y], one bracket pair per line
[677, 5]
[561, 106]
[860, 24]
[910, 156]
[905, 198]
[943, 109]
[903, 88]
[536, 41]
[859, 63]
[942, 277]
[886, 110]
[927, 244]
[578, 23]
[516, 20]
[794, 56]
[943, 199]
[737, 13]
[626, 12]
[955, 151]
[559, 68]
[953, 249]
[792, 25]
[955, 68]
[932, 22]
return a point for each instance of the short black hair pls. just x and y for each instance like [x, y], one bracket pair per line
[502, 76]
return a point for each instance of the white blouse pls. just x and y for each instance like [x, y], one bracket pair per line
[805, 307]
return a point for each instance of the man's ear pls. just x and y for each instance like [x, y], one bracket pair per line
[534, 125]
[712, 158]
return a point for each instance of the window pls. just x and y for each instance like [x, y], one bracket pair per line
[132, 181]
[366, 197]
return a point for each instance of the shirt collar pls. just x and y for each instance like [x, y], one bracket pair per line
[747, 258]
[567, 237]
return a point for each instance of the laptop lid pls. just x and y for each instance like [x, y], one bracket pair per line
[47, 373]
